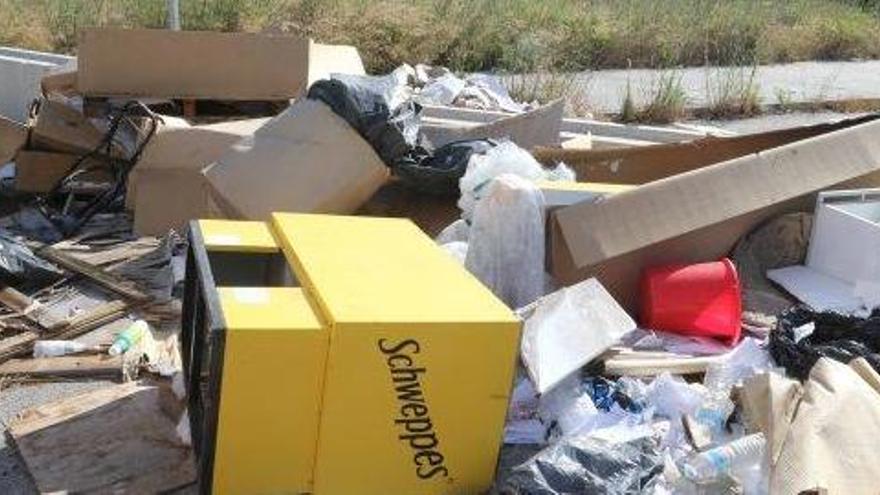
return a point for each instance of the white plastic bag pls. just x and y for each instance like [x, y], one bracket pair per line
[457, 231]
[506, 248]
[506, 158]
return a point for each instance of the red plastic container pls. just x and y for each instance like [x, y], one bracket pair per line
[701, 300]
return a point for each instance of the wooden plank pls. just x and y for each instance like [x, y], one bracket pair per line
[653, 366]
[28, 307]
[112, 440]
[23, 343]
[94, 365]
[101, 277]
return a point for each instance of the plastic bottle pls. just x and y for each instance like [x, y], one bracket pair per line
[736, 456]
[51, 348]
[129, 337]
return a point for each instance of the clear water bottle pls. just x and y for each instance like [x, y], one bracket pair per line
[53, 348]
[129, 337]
[732, 458]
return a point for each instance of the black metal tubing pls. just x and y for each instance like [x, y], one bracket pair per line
[202, 327]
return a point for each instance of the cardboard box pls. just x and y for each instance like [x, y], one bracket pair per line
[63, 83]
[39, 171]
[207, 65]
[421, 358]
[307, 159]
[13, 137]
[166, 188]
[59, 127]
[699, 215]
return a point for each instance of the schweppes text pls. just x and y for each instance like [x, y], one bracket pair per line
[413, 416]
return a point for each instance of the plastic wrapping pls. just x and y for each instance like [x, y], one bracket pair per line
[457, 231]
[380, 108]
[457, 250]
[438, 172]
[843, 338]
[579, 464]
[20, 268]
[506, 249]
[506, 158]
[745, 361]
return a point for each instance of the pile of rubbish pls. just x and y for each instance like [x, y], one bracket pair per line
[698, 314]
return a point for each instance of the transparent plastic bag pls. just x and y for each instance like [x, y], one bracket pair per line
[506, 248]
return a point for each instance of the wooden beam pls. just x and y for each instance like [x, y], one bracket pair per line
[94, 365]
[101, 277]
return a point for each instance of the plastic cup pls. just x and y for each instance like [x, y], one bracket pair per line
[702, 300]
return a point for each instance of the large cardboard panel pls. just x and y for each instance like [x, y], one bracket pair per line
[307, 159]
[643, 164]
[39, 171]
[699, 215]
[206, 65]
[13, 137]
[190, 64]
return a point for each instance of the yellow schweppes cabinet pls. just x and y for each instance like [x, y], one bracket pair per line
[420, 363]
[417, 367]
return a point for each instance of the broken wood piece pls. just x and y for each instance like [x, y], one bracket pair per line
[28, 307]
[697, 433]
[91, 366]
[631, 364]
[102, 277]
[112, 440]
[23, 343]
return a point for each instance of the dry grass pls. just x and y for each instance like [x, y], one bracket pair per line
[511, 35]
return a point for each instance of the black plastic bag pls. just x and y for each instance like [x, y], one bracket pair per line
[836, 336]
[20, 268]
[364, 102]
[586, 464]
[438, 173]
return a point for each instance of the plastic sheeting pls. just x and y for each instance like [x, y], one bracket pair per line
[628, 464]
[379, 108]
[842, 338]
[438, 172]
[506, 158]
[20, 268]
[506, 249]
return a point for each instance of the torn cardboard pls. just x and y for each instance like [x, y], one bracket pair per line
[538, 127]
[643, 164]
[699, 215]
[307, 159]
[13, 137]
[62, 83]
[194, 64]
[62, 128]
[828, 444]
[40, 171]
